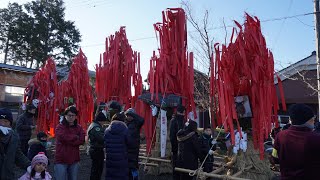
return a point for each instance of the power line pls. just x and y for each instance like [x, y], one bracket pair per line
[218, 27]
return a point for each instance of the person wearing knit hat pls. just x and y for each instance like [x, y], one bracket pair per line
[10, 152]
[134, 123]
[95, 135]
[37, 170]
[290, 144]
[301, 114]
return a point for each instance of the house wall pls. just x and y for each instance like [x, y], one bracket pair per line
[12, 84]
[297, 90]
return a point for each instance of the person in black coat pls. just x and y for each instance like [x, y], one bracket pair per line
[208, 145]
[189, 151]
[176, 124]
[24, 127]
[95, 133]
[37, 145]
[134, 123]
[115, 139]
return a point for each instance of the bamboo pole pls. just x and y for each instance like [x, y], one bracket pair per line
[155, 159]
[149, 164]
[209, 174]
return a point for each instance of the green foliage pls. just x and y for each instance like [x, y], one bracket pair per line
[32, 32]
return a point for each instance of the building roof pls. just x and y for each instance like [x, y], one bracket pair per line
[17, 68]
[308, 63]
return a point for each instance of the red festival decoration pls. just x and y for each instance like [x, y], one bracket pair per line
[172, 71]
[43, 87]
[118, 71]
[246, 67]
[77, 87]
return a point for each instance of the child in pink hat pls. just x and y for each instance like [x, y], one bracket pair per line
[37, 170]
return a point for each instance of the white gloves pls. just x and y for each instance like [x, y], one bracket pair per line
[213, 142]
[5, 130]
[61, 119]
[210, 152]
[154, 110]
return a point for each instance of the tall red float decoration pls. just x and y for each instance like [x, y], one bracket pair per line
[43, 87]
[172, 71]
[246, 67]
[77, 87]
[118, 71]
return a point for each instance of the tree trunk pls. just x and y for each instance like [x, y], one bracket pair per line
[7, 48]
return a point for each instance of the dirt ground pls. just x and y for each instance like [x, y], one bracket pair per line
[85, 167]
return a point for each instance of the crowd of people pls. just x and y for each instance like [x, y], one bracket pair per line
[114, 141]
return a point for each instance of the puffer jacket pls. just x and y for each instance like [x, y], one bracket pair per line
[115, 138]
[68, 140]
[11, 155]
[23, 126]
[37, 176]
[188, 149]
[134, 127]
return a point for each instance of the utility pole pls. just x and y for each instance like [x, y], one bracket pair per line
[317, 32]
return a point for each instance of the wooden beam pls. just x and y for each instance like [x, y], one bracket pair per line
[155, 159]
[209, 174]
[149, 164]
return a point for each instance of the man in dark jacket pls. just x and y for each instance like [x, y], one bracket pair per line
[24, 127]
[113, 109]
[289, 145]
[115, 140]
[134, 123]
[189, 151]
[10, 152]
[176, 124]
[95, 133]
[37, 145]
[207, 147]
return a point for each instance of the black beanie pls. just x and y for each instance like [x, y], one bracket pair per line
[100, 117]
[180, 109]
[300, 114]
[119, 117]
[6, 114]
[192, 125]
[41, 135]
[115, 105]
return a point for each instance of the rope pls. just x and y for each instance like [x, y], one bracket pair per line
[200, 168]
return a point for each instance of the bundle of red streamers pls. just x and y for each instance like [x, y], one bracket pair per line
[246, 67]
[172, 71]
[118, 71]
[43, 87]
[78, 87]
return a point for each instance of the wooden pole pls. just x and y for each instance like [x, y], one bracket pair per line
[209, 174]
[317, 32]
[155, 159]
